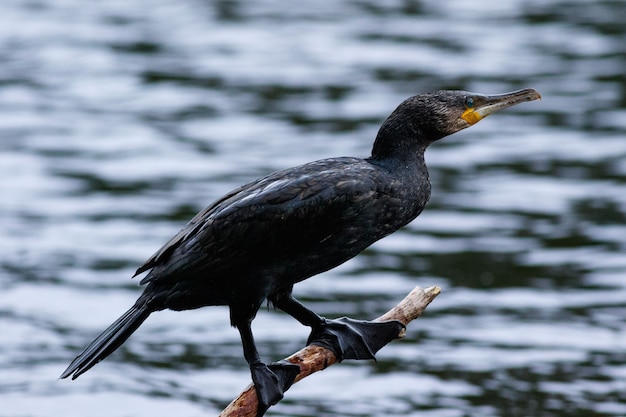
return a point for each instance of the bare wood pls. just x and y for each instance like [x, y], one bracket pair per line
[316, 358]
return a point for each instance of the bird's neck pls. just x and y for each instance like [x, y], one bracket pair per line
[406, 163]
[399, 147]
[398, 140]
[407, 179]
[401, 154]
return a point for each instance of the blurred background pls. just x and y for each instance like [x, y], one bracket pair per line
[119, 120]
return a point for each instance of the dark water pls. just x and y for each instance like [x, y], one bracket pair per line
[120, 119]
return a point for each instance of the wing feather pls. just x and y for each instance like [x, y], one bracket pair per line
[267, 216]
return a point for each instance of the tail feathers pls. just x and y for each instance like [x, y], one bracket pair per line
[108, 341]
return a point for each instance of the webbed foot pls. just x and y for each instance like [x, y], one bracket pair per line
[354, 339]
[271, 381]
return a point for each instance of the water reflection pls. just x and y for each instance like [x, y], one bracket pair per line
[120, 120]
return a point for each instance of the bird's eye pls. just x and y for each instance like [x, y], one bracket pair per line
[469, 103]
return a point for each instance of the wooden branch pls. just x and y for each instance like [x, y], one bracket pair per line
[316, 358]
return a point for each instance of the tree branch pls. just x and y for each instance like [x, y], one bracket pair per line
[316, 358]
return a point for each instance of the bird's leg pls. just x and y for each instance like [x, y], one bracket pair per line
[270, 381]
[346, 338]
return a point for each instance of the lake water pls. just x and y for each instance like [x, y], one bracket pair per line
[121, 119]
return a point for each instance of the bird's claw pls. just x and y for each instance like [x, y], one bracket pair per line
[271, 381]
[355, 339]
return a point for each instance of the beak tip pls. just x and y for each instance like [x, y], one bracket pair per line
[534, 95]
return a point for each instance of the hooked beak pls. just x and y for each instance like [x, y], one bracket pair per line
[485, 105]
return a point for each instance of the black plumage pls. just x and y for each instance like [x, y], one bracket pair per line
[256, 242]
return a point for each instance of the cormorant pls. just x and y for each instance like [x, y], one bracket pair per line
[257, 241]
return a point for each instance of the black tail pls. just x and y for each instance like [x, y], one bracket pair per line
[108, 341]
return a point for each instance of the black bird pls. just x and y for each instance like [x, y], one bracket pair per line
[257, 241]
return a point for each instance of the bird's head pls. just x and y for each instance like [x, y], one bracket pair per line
[425, 118]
